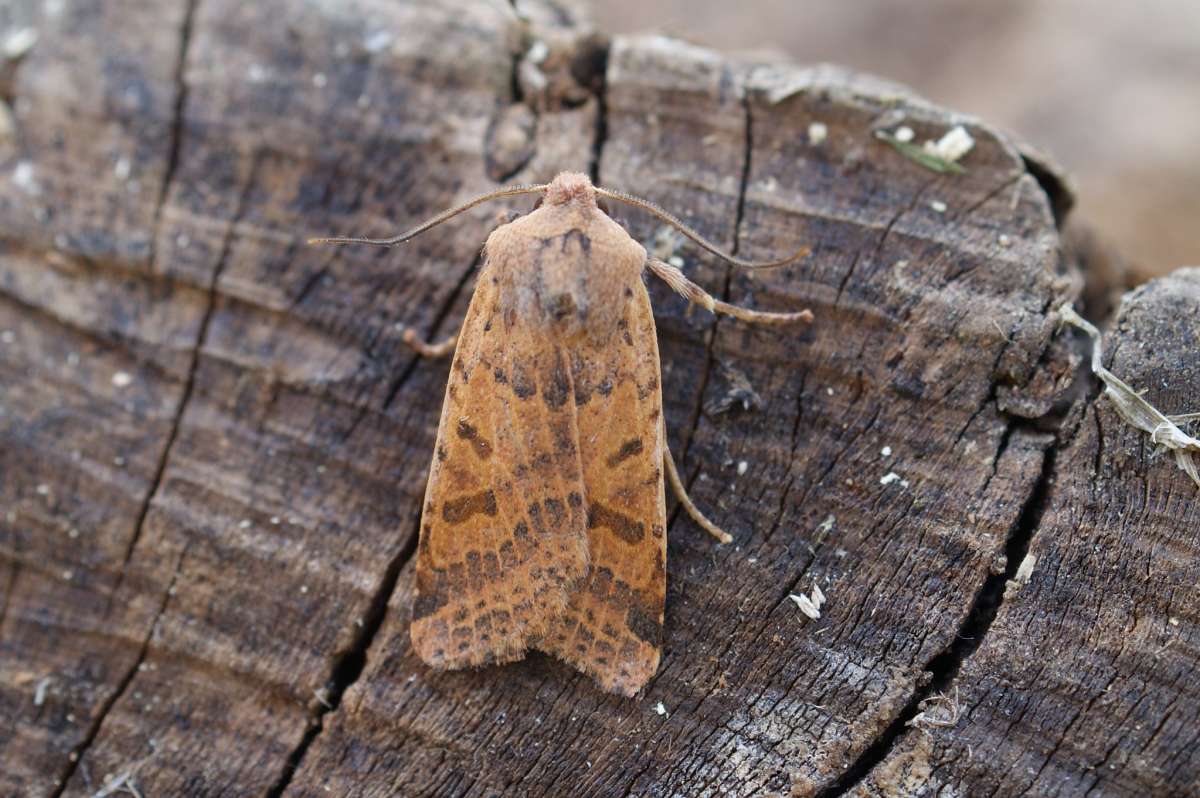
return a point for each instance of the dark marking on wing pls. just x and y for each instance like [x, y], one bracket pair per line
[557, 387]
[427, 605]
[459, 510]
[564, 437]
[628, 449]
[580, 380]
[585, 242]
[621, 525]
[467, 432]
[556, 511]
[561, 306]
[522, 381]
[646, 626]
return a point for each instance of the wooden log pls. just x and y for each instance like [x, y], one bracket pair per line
[214, 441]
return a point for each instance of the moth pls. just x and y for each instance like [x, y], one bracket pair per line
[544, 521]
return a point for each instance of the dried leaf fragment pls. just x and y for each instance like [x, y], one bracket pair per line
[937, 711]
[951, 147]
[1134, 409]
[811, 604]
[917, 154]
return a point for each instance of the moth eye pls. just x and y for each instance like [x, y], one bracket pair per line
[538, 203]
[602, 205]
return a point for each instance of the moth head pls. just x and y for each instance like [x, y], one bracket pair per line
[601, 204]
[571, 187]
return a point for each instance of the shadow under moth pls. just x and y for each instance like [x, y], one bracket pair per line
[544, 522]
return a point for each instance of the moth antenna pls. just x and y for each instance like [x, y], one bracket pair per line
[511, 191]
[704, 243]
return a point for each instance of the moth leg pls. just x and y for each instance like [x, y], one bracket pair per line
[697, 295]
[681, 493]
[435, 350]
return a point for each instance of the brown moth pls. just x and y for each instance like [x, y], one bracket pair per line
[544, 522]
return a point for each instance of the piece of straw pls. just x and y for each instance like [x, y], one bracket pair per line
[1134, 409]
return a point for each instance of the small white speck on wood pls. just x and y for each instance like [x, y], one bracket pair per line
[660, 709]
[24, 178]
[1025, 570]
[39, 692]
[18, 43]
[817, 133]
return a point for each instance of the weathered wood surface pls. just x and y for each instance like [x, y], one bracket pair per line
[214, 442]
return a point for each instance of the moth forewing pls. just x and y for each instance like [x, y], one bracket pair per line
[503, 528]
[612, 627]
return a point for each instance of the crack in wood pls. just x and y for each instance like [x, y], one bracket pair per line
[693, 424]
[190, 381]
[177, 121]
[946, 665]
[348, 666]
[75, 759]
[9, 587]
